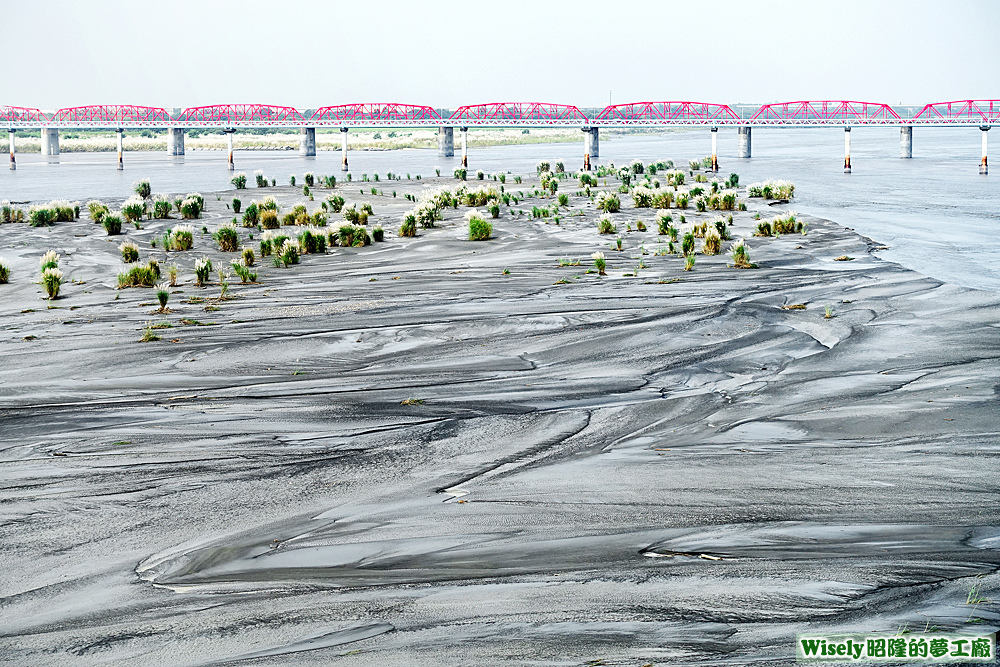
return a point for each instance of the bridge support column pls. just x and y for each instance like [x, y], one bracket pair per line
[591, 146]
[715, 149]
[307, 141]
[121, 149]
[744, 140]
[230, 131]
[175, 141]
[465, 148]
[446, 142]
[13, 163]
[50, 141]
[343, 148]
[983, 168]
[906, 141]
[847, 149]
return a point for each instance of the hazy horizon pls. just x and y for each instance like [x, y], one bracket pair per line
[446, 55]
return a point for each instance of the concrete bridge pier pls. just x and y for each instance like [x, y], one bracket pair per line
[307, 141]
[175, 141]
[847, 149]
[744, 140]
[983, 167]
[906, 141]
[121, 149]
[230, 131]
[465, 147]
[715, 149]
[591, 146]
[343, 148]
[13, 164]
[446, 142]
[50, 141]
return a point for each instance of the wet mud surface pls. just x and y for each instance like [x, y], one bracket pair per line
[667, 468]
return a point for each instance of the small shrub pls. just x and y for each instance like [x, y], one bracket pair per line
[202, 271]
[259, 177]
[712, 244]
[129, 251]
[740, 255]
[247, 256]
[251, 216]
[608, 202]
[163, 295]
[41, 216]
[227, 238]
[771, 190]
[788, 224]
[269, 219]
[97, 210]
[461, 173]
[336, 203]
[409, 226]
[237, 205]
[605, 225]
[141, 275]
[239, 179]
[664, 222]
[689, 261]
[378, 234]
[112, 224]
[687, 244]
[600, 263]
[563, 200]
[134, 208]
[161, 208]
[642, 197]
[763, 228]
[682, 200]
[479, 228]
[244, 272]
[640, 225]
[480, 175]
[4, 271]
[143, 188]
[289, 253]
[190, 208]
[52, 279]
[50, 260]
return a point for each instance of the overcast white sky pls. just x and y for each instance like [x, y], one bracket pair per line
[309, 54]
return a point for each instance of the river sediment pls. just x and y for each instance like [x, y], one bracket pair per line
[437, 451]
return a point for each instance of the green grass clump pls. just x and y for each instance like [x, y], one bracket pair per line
[312, 243]
[243, 271]
[763, 229]
[202, 271]
[335, 203]
[112, 224]
[247, 256]
[687, 244]
[740, 255]
[771, 190]
[239, 179]
[289, 253]
[129, 251]
[143, 188]
[134, 208]
[689, 261]
[712, 244]
[163, 295]
[608, 202]
[787, 224]
[605, 225]
[409, 226]
[41, 216]
[50, 260]
[251, 216]
[353, 236]
[269, 219]
[479, 228]
[227, 238]
[191, 208]
[600, 263]
[378, 235]
[4, 271]
[52, 279]
[664, 223]
[237, 205]
[161, 208]
[142, 275]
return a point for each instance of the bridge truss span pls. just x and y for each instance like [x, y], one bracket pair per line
[110, 116]
[241, 115]
[667, 113]
[389, 114]
[825, 112]
[960, 112]
[519, 114]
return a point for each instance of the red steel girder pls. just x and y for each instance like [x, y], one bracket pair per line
[388, 114]
[105, 115]
[241, 115]
[519, 113]
[980, 112]
[21, 116]
[668, 113]
[826, 112]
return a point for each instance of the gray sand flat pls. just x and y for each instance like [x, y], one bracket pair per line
[616, 468]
